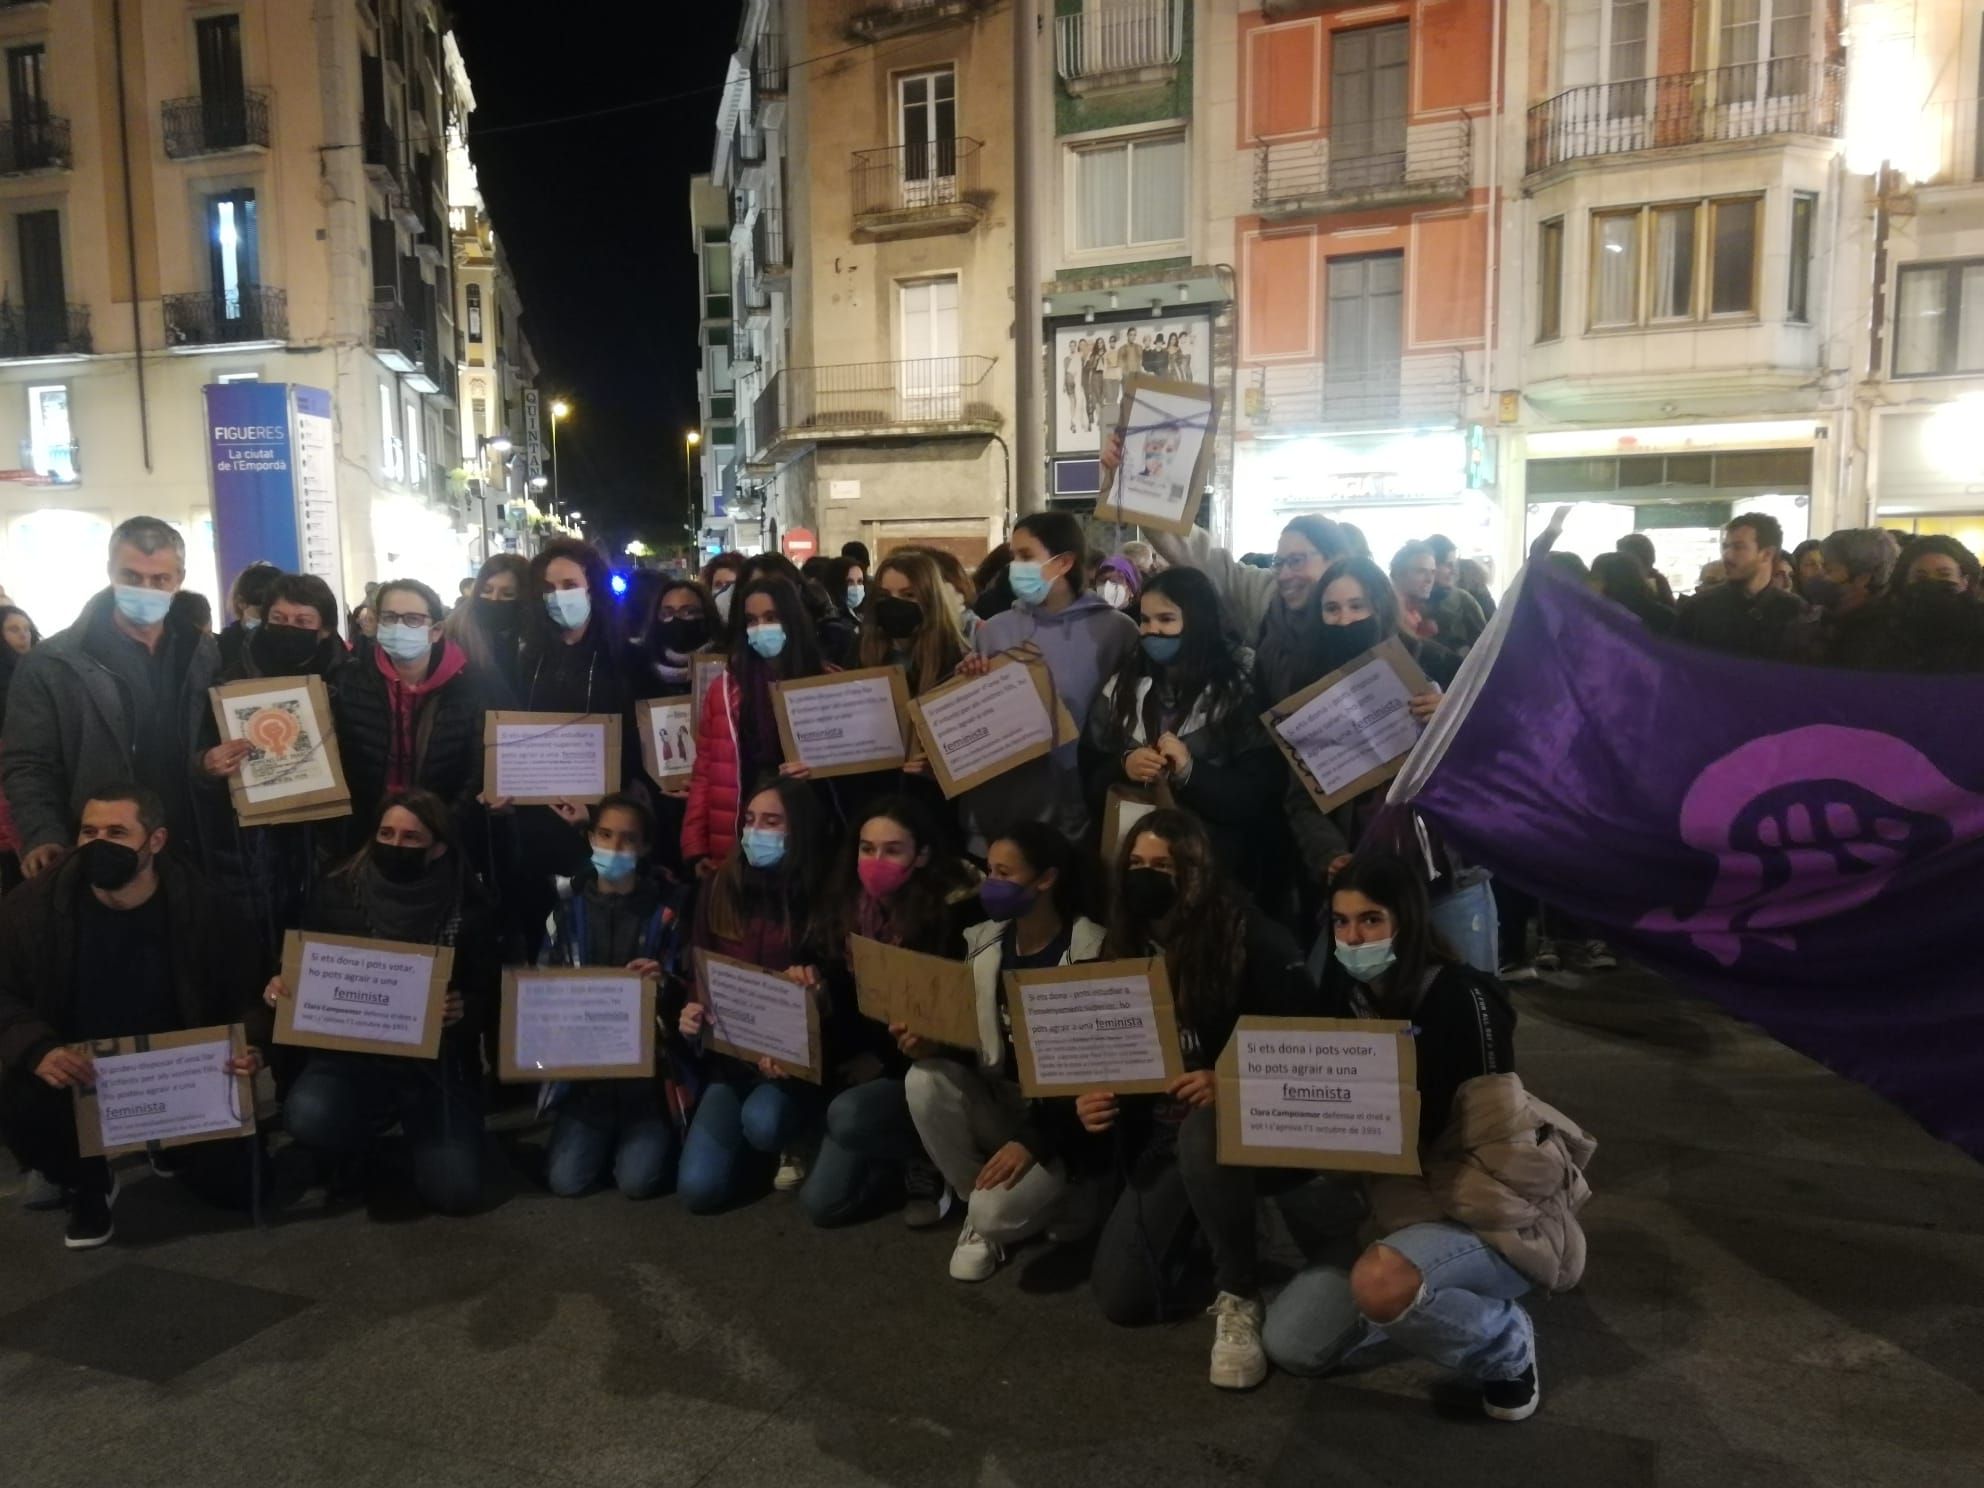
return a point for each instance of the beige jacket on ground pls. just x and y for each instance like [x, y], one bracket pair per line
[1511, 1168]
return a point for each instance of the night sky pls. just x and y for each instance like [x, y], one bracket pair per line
[594, 216]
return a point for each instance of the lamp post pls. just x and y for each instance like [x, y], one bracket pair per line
[559, 408]
[689, 442]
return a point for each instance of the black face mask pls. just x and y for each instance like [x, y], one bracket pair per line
[1932, 602]
[110, 865]
[898, 617]
[682, 634]
[283, 650]
[1149, 894]
[500, 616]
[1821, 591]
[399, 865]
[1337, 644]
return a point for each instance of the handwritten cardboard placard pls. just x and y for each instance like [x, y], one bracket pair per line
[933, 997]
[975, 729]
[844, 723]
[1352, 730]
[668, 738]
[1168, 431]
[295, 772]
[362, 996]
[536, 759]
[1099, 1025]
[164, 1090]
[576, 1023]
[756, 1014]
[1331, 1093]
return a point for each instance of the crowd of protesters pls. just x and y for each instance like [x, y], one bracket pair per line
[138, 904]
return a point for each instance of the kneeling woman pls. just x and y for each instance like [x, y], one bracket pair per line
[990, 1141]
[410, 883]
[1434, 1285]
[1225, 958]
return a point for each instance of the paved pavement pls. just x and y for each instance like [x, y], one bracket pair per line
[1786, 1287]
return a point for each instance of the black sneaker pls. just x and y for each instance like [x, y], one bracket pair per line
[89, 1218]
[929, 1197]
[1512, 1399]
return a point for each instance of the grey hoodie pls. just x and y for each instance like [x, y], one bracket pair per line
[1083, 645]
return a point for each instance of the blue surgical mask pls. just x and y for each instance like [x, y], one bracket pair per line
[766, 640]
[1030, 585]
[404, 642]
[571, 608]
[1366, 962]
[1162, 649]
[856, 593]
[763, 848]
[251, 622]
[142, 606]
[614, 865]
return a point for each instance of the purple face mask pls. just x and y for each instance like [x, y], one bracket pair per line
[1005, 900]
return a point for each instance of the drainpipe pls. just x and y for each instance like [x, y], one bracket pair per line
[1027, 371]
[131, 231]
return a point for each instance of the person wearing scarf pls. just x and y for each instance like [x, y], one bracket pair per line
[412, 884]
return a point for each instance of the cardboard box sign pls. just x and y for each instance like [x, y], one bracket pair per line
[756, 1014]
[535, 759]
[975, 729]
[576, 1023]
[1096, 1025]
[164, 1090]
[933, 997]
[1169, 433]
[844, 723]
[1338, 1094]
[363, 996]
[1352, 730]
[296, 773]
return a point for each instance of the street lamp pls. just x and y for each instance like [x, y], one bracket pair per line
[559, 409]
[689, 442]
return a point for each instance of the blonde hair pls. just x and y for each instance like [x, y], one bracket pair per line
[938, 646]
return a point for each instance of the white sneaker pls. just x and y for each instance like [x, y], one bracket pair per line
[791, 1171]
[1238, 1360]
[975, 1258]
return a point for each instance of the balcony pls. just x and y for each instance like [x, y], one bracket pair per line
[394, 340]
[43, 331]
[928, 398]
[216, 125]
[902, 17]
[425, 376]
[1385, 163]
[1119, 44]
[754, 297]
[768, 65]
[33, 145]
[1752, 100]
[256, 313]
[917, 190]
[1419, 391]
[380, 148]
[768, 248]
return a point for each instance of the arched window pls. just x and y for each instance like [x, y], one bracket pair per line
[475, 313]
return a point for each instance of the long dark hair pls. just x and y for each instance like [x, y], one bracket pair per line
[540, 631]
[801, 656]
[1388, 880]
[1208, 944]
[431, 812]
[917, 911]
[9, 658]
[789, 892]
[1378, 591]
[1046, 850]
[668, 587]
[1207, 665]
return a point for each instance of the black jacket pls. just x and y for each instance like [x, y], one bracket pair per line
[1773, 624]
[449, 734]
[1465, 1027]
[1923, 629]
[217, 972]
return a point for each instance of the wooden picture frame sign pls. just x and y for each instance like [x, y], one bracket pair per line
[289, 721]
[821, 704]
[1149, 496]
[537, 759]
[372, 976]
[1366, 713]
[600, 994]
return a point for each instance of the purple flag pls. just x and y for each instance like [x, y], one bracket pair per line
[1805, 845]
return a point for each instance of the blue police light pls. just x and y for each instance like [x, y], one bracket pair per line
[619, 584]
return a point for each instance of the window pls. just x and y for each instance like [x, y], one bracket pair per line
[1764, 47]
[1550, 280]
[927, 125]
[1939, 319]
[479, 416]
[1674, 262]
[239, 377]
[232, 253]
[223, 90]
[1129, 194]
[474, 295]
[44, 312]
[416, 455]
[1603, 41]
[389, 439]
[51, 446]
[1798, 298]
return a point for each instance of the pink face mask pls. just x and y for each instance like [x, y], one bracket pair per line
[881, 877]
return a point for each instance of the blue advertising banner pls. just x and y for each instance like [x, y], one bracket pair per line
[254, 478]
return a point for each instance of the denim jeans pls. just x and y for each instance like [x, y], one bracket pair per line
[621, 1125]
[1467, 920]
[735, 1127]
[344, 1103]
[1464, 1318]
[869, 1140]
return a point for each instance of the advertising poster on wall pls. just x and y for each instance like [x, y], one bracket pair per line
[1091, 363]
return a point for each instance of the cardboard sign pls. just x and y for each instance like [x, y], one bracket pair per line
[757, 1014]
[974, 729]
[1351, 730]
[576, 1023]
[295, 773]
[1099, 1025]
[1334, 1093]
[1122, 808]
[933, 997]
[844, 723]
[536, 759]
[363, 996]
[1168, 431]
[668, 738]
[704, 668]
[164, 1090]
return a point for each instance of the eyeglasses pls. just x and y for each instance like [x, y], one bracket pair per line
[415, 617]
[1287, 562]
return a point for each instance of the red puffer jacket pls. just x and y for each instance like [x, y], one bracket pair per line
[709, 825]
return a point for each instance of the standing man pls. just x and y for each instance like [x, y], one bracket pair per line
[117, 695]
[1743, 615]
[112, 942]
[1458, 614]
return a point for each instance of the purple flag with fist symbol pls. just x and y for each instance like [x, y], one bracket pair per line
[1807, 846]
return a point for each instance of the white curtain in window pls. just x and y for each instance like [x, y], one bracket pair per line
[1617, 275]
[1157, 191]
[1970, 321]
[1102, 189]
[1673, 263]
[1740, 20]
[1918, 321]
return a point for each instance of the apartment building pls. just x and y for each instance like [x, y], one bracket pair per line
[225, 253]
[1361, 182]
[712, 458]
[1678, 292]
[866, 150]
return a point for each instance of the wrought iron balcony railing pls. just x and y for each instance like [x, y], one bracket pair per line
[808, 403]
[256, 313]
[379, 145]
[1383, 161]
[768, 64]
[1117, 36]
[1419, 390]
[1749, 100]
[935, 173]
[33, 145]
[879, 22]
[44, 330]
[214, 124]
[394, 338]
[768, 247]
